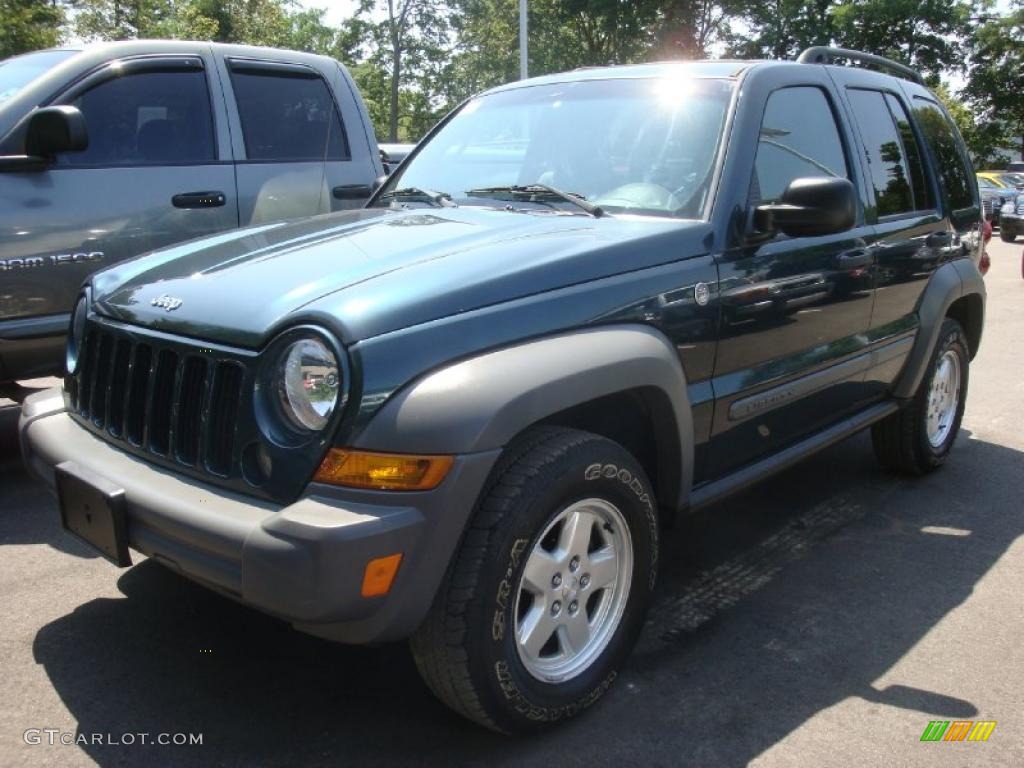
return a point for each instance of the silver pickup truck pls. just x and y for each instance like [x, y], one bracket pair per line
[111, 151]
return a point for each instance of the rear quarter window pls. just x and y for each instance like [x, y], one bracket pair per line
[953, 167]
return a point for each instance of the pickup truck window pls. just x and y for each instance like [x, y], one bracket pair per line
[149, 118]
[645, 146]
[799, 139]
[17, 72]
[287, 118]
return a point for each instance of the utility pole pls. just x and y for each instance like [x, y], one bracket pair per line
[523, 67]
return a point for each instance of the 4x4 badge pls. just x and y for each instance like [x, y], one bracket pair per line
[169, 303]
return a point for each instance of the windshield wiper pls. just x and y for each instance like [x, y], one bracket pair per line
[536, 190]
[440, 199]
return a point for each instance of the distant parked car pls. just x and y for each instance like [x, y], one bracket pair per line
[1012, 219]
[118, 149]
[993, 197]
[1012, 180]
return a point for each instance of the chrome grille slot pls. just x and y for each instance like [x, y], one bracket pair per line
[135, 421]
[162, 401]
[227, 386]
[101, 378]
[190, 410]
[118, 384]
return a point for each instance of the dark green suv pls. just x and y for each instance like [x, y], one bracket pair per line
[585, 305]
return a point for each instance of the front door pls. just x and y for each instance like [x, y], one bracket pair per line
[151, 176]
[793, 310]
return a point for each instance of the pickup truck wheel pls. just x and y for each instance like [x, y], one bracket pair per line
[918, 438]
[548, 591]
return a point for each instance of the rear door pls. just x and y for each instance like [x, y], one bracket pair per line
[154, 173]
[914, 232]
[294, 154]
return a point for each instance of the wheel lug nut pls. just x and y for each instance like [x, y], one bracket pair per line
[574, 564]
[556, 607]
[585, 580]
[573, 606]
[556, 580]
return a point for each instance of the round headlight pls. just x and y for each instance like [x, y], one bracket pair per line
[308, 382]
[77, 332]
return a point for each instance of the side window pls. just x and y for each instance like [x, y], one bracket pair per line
[887, 163]
[798, 139]
[288, 118]
[148, 118]
[924, 199]
[952, 165]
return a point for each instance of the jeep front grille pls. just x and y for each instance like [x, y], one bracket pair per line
[160, 396]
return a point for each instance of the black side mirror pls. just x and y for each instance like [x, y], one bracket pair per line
[810, 207]
[52, 130]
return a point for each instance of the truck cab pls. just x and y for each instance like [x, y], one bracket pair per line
[115, 150]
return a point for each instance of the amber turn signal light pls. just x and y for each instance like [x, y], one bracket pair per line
[379, 574]
[382, 471]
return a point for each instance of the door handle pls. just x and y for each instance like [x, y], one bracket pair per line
[351, 191]
[198, 200]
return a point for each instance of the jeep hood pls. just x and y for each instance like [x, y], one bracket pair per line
[375, 270]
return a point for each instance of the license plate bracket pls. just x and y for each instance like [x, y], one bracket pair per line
[93, 509]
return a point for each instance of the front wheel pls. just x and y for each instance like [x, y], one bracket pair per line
[548, 592]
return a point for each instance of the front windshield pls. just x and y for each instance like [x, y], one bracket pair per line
[18, 72]
[645, 146]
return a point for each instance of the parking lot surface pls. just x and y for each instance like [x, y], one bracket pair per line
[822, 619]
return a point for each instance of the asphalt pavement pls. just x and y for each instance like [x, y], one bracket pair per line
[822, 619]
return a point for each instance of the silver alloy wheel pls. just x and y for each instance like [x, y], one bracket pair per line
[574, 590]
[943, 398]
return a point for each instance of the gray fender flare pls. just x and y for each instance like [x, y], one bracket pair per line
[481, 403]
[951, 281]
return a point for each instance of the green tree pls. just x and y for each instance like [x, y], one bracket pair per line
[28, 25]
[409, 41]
[780, 29]
[929, 35]
[995, 82]
[118, 19]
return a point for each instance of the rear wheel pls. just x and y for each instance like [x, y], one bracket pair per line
[548, 591]
[918, 438]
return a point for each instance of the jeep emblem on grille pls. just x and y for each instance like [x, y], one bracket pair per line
[169, 303]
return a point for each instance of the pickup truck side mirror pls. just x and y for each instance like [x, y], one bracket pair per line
[810, 207]
[52, 130]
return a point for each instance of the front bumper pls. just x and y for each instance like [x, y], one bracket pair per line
[303, 562]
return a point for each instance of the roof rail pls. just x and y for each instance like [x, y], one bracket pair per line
[821, 54]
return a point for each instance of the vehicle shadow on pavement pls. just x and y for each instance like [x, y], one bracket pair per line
[771, 607]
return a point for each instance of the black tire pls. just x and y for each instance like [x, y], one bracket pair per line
[901, 440]
[465, 649]
[1007, 237]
